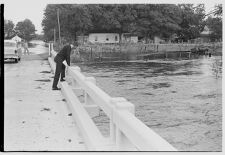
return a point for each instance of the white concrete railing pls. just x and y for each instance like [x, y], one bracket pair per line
[127, 133]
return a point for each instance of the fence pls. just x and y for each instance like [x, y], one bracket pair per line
[127, 132]
[142, 48]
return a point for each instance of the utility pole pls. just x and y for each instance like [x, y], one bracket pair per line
[54, 36]
[59, 26]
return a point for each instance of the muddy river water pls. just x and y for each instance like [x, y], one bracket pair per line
[181, 100]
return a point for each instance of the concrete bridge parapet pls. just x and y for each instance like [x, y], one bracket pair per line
[127, 132]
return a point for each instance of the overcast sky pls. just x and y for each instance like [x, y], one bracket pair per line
[18, 10]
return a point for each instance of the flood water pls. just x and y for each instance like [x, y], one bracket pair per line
[179, 100]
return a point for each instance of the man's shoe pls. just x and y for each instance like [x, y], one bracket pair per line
[56, 88]
[62, 80]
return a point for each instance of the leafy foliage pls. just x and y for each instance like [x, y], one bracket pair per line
[192, 21]
[8, 28]
[214, 23]
[74, 20]
[145, 20]
[219, 10]
[25, 29]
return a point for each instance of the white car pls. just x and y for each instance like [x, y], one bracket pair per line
[12, 51]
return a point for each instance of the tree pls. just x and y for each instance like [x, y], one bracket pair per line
[219, 10]
[156, 20]
[121, 18]
[214, 23]
[49, 22]
[74, 20]
[144, 20]
[215, 26]
[8, 29]
[77, 20]
[25, 29]
[39, 37]
[115, 18]
[192, 21]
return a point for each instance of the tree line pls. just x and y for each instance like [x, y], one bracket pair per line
[24, 29]
[185, 21]
[182, 21]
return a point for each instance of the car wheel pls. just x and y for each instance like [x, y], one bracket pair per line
[16, 60]
[19, 59]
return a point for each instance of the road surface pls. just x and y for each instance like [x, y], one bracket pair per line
[35, 117]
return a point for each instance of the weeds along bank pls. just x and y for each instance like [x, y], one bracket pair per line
[139, 51]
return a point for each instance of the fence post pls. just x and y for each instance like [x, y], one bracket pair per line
[88, 99]
[89, 103]
[74, 84]
[112, 124]
[72, 81]
[122, 142]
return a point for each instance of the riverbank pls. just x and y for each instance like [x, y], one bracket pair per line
[127, 52]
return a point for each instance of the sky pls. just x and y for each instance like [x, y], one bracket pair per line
[19, 10]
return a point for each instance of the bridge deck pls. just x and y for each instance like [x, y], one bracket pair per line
[36, 118]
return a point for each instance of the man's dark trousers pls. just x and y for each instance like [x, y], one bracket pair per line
[63, 55]
[60, 70]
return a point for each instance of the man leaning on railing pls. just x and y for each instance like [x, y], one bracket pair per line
[62, 60]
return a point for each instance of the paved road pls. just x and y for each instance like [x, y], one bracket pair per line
[36, 118]
[37, 52]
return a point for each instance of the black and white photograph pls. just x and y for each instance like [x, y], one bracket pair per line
[109, 76]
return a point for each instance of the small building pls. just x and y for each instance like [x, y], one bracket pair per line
[158, 40]
[103, 38]
[129, 38]
[111, 38]
[205, 35]
[17, 38]
[82, 39]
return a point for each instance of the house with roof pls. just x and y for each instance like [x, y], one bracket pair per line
[17, 38]
[107, 38]
[129, 38]
[205, 35]
[103, 38]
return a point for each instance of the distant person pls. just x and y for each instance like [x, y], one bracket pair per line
[62, 60]
[210, 54]
[19, 46]
[25, 47]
